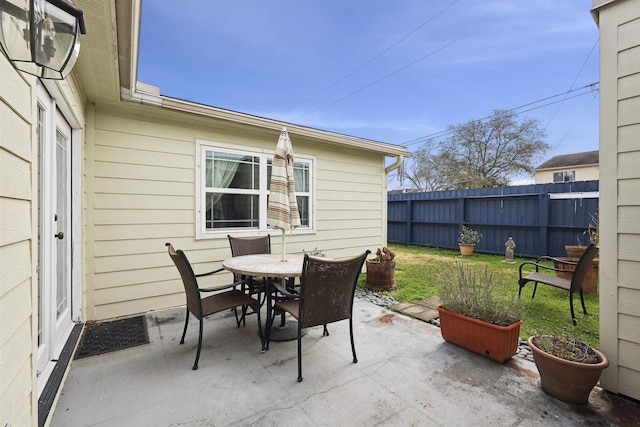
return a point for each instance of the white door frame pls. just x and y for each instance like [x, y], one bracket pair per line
[54, 333]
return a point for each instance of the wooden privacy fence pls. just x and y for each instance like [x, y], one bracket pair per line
[541, 218]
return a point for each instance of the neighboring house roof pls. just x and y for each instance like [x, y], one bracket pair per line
[107, 69]
[587, 158]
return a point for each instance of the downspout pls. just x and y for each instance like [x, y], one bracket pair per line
[398, 164]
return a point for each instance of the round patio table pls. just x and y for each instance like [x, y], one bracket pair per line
[270, 266]
[266, 265]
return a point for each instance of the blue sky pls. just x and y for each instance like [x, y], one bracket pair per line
[396, 71]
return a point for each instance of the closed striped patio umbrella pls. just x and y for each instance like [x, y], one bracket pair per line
[282, 209]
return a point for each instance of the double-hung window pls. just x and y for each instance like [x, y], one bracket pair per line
[565, 176]
[232, 186]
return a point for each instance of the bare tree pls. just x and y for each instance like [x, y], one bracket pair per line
[480, 154]
[424, 170]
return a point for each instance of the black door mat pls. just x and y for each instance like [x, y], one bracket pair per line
[105, 337]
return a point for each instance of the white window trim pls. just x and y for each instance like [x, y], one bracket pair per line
[201, 234]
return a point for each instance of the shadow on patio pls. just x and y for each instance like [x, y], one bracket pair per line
[406, 375]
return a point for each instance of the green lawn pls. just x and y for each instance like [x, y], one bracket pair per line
[419, 271]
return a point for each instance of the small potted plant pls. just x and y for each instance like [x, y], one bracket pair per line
[475, 317]
[467, 240]
[381, 271]
[569, 368]
[593, 231]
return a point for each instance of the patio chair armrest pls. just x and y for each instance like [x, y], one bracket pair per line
[223, 287]
[553, 259]
[211, 272]
[546, 267]
[536, 265]
[284, 291]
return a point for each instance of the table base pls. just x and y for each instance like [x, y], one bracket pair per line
[288, 332]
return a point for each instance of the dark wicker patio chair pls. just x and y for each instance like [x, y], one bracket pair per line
[250, 246]
[325, 296]
[574, 285]
[226, 296]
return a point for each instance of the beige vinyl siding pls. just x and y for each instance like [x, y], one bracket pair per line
[141, 168]
[18, 401]
[583, 173]
[619, 24]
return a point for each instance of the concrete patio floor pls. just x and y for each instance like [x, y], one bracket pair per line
[406, 375]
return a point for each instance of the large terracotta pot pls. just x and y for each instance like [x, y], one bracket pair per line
[568, 381]
[466, 249]
[574, 253]
[590, 285]
[381, 276]
[497, 343]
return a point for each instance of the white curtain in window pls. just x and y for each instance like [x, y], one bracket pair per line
[222, 172]
[300, 178]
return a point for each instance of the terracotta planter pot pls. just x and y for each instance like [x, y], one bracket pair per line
[497, 343]
[381, 276]
[466, 249]
[574, 252]
[590, 285]
[568, 381]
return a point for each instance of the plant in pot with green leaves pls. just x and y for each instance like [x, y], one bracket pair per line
[467, 240]
[569, 368]
[474, 316]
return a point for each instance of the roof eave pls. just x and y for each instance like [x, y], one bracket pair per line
[265, 123]
[585, 165]
[596, 5]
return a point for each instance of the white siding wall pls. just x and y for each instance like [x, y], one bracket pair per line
[18, 402]
[620, 194]
[141, 194]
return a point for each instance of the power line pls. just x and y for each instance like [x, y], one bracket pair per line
[513, 112]
[395, 173]
[572, 126]
[377, 81]
[574, 82]
[374, 58]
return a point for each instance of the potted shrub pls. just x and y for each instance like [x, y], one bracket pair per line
[574, 252]
[381, 271]
[475, 317]
[467, 240]
[569, 368]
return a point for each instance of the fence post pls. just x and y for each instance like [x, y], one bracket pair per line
[409, 207]
[460, 213]
[543, 215]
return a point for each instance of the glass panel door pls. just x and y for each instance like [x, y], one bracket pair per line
[61, 218]
[54, 234]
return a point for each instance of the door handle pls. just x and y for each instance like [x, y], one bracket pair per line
[59, 235]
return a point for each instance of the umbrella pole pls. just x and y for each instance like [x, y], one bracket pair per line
[283, 245]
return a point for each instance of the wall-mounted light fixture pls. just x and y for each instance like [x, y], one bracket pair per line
[41, 37]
